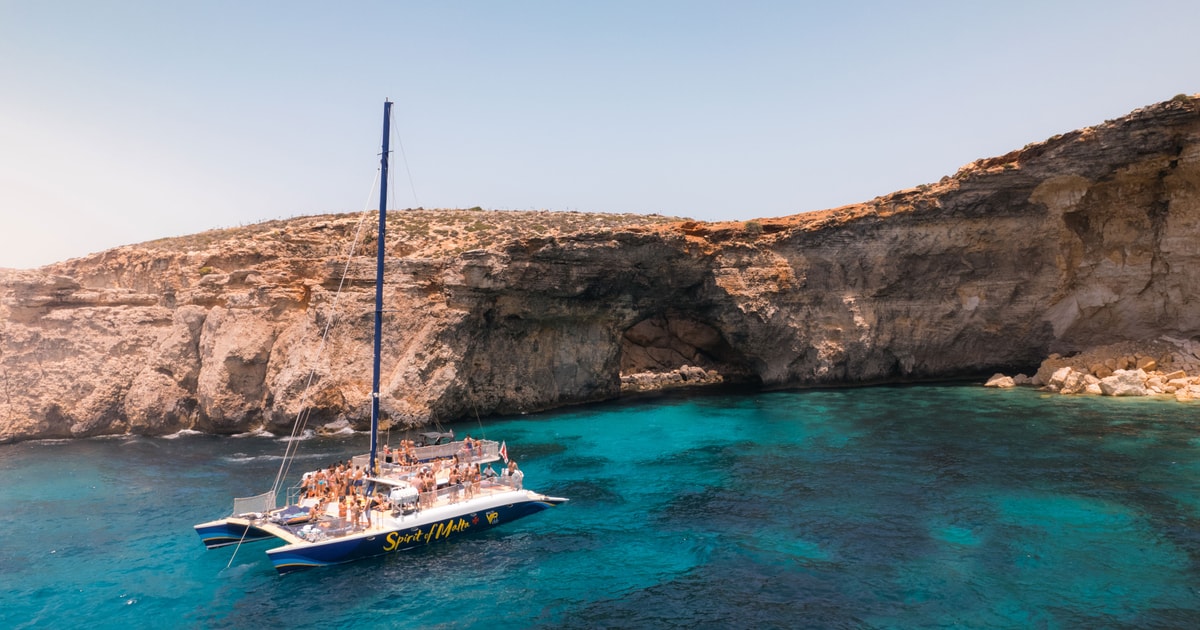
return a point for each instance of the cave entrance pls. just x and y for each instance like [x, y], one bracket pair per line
[677, 351]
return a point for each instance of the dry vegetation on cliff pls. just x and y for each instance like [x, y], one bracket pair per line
[412, 232]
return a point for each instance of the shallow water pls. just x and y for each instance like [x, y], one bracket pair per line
[926, 506]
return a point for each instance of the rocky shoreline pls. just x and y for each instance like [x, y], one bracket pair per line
[685, 376]
[1167, 367]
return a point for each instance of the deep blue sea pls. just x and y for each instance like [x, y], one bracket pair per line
[890, 507]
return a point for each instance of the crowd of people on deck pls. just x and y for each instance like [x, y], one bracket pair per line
[403, 455]
[345, 483]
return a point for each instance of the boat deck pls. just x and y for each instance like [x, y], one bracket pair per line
[282, 532]
[331, 524]
[324, 514]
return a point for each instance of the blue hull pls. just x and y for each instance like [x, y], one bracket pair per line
[341, 550]
[222, 533]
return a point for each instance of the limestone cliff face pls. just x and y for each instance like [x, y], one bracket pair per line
[1078, 241]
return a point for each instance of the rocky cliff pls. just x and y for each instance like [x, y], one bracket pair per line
[1081, 240]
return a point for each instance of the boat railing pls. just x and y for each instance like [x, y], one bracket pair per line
[451, 493]
[505, 480]
[262, 503]
[486, 448]
[486, 451]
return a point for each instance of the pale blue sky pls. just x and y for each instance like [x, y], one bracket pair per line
[124, 121]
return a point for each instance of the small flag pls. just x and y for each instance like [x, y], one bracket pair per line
[504, 451]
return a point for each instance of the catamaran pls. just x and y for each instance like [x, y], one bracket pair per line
[428, 490]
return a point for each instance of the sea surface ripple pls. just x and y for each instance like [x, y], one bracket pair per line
[885, 507]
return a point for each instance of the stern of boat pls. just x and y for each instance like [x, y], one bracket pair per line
[230, 531]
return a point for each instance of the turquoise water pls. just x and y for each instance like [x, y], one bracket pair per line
[927, 506]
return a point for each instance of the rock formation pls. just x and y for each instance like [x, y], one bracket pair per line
[1081, 240]
[1147, 368]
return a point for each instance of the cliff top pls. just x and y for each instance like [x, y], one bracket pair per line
[419, 232]
[424, 233]
[1055, 155]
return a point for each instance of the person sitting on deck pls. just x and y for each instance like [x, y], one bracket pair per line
[487, 475]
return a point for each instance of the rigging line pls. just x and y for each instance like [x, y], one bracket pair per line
[239, 545]
[478, 420]
[404, 158]
[302, 416]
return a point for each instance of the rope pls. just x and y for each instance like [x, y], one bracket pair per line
[478, 420]
[301, 421]
[403, 158]
[239, 545]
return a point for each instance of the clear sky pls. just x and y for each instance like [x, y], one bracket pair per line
[124, 121]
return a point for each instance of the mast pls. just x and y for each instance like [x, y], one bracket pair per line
[383, 179]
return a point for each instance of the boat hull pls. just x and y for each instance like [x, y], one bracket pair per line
[418, 531]
[227, 532]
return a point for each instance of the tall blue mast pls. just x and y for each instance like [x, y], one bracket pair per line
[383, 180]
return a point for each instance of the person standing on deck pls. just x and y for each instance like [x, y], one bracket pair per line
[355, 510]
[513, 475]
